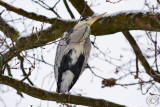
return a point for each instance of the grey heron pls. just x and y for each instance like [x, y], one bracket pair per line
[72, 53]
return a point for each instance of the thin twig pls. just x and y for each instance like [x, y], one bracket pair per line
[88, 66]
[68, 9]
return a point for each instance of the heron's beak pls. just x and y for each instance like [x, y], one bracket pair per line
[95, 18]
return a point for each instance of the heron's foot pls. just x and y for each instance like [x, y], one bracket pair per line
[60, 93]
[68, 95]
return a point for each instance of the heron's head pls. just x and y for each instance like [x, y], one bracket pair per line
[88, 20]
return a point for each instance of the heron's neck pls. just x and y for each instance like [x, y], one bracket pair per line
[86, 33]
[81, 25]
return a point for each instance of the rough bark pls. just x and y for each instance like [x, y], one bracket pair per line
[52, 96]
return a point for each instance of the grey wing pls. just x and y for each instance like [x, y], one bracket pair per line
[87, 48]
[60, 53]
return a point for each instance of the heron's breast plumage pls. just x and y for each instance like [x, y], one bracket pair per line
[76, 52]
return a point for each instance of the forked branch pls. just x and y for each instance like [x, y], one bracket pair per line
[140, 56]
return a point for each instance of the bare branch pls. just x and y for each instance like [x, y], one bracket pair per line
[26, 14]
[68, 9]
[137, 68]
[106, 25]
[140, 56]
[126, 21]
[79, 5]
[8, 30]
[131, 84]
[23, 70]
[51, 96]
[8, 69]
[44, 5]
[88, 66]
[113, 2]
[41, 60]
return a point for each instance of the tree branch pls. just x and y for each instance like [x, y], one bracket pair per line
[79, 5]
[140, 56]
[124, 21]
[51, 96]
[8, 30]
[24, 13]
[107, 25]
[68, 9]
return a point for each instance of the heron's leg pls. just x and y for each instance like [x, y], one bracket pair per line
[68, 95]
[60, 93]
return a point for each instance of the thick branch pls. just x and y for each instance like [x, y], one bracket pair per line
[82, 8]
[127, 21]
[8, 30]
[140, 56]
[51, 96]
